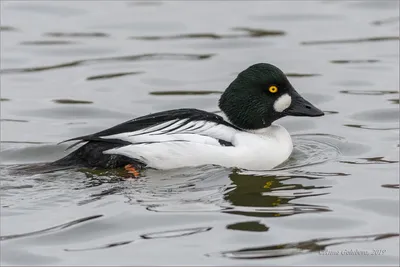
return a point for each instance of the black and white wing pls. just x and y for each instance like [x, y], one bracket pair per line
[160, 138]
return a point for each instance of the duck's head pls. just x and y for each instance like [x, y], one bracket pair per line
[260, 95]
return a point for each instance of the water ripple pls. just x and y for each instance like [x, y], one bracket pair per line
[248, 32]
[155, 235]
[202, 92]
[296, 248]
[71, 101]
[369, 92]
[392, 186]
[385, 21]
[355, 61]
[106, 246]
[112, 75]
[51, 229]
[48, 42]
[360, 126]
[372, 160]
[308, 150]
[76, 34]
[8, 29]
[353, 41]
[152, 56]
[176, 233]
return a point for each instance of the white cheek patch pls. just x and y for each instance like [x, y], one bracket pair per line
[282, 103]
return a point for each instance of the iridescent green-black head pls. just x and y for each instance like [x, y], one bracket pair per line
[260, 95]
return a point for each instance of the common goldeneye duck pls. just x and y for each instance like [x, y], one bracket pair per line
[244, 137]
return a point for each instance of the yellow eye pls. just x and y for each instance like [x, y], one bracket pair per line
[273, 89]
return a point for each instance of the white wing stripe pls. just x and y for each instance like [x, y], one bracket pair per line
[199, 132]
[155, 128]
[187, 126]
[174, 126]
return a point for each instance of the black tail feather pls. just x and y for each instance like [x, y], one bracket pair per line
[91, 155]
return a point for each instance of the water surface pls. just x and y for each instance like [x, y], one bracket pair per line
[70, 68]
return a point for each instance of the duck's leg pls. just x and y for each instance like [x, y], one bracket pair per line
[132, 170]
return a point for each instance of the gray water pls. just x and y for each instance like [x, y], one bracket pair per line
[70, 68]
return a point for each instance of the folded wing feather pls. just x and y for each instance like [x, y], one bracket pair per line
[177, 144]
[194, 131]
[170, 138]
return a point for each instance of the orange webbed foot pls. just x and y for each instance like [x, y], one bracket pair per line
[132, 170]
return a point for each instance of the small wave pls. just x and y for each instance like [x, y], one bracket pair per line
[308, 150]
[153, 56]
[353, 41]
[51, 229]
[248, 32]
[77, 34]
[297, 248]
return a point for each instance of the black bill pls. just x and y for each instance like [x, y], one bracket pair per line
[301, 107]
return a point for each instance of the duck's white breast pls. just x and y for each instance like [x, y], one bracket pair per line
[263, 149]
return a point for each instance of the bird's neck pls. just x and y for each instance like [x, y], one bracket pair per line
[264, 127]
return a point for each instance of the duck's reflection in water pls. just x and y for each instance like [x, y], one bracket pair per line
[271, 195]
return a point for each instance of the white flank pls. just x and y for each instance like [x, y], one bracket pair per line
[282, 103]
[179, 143]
